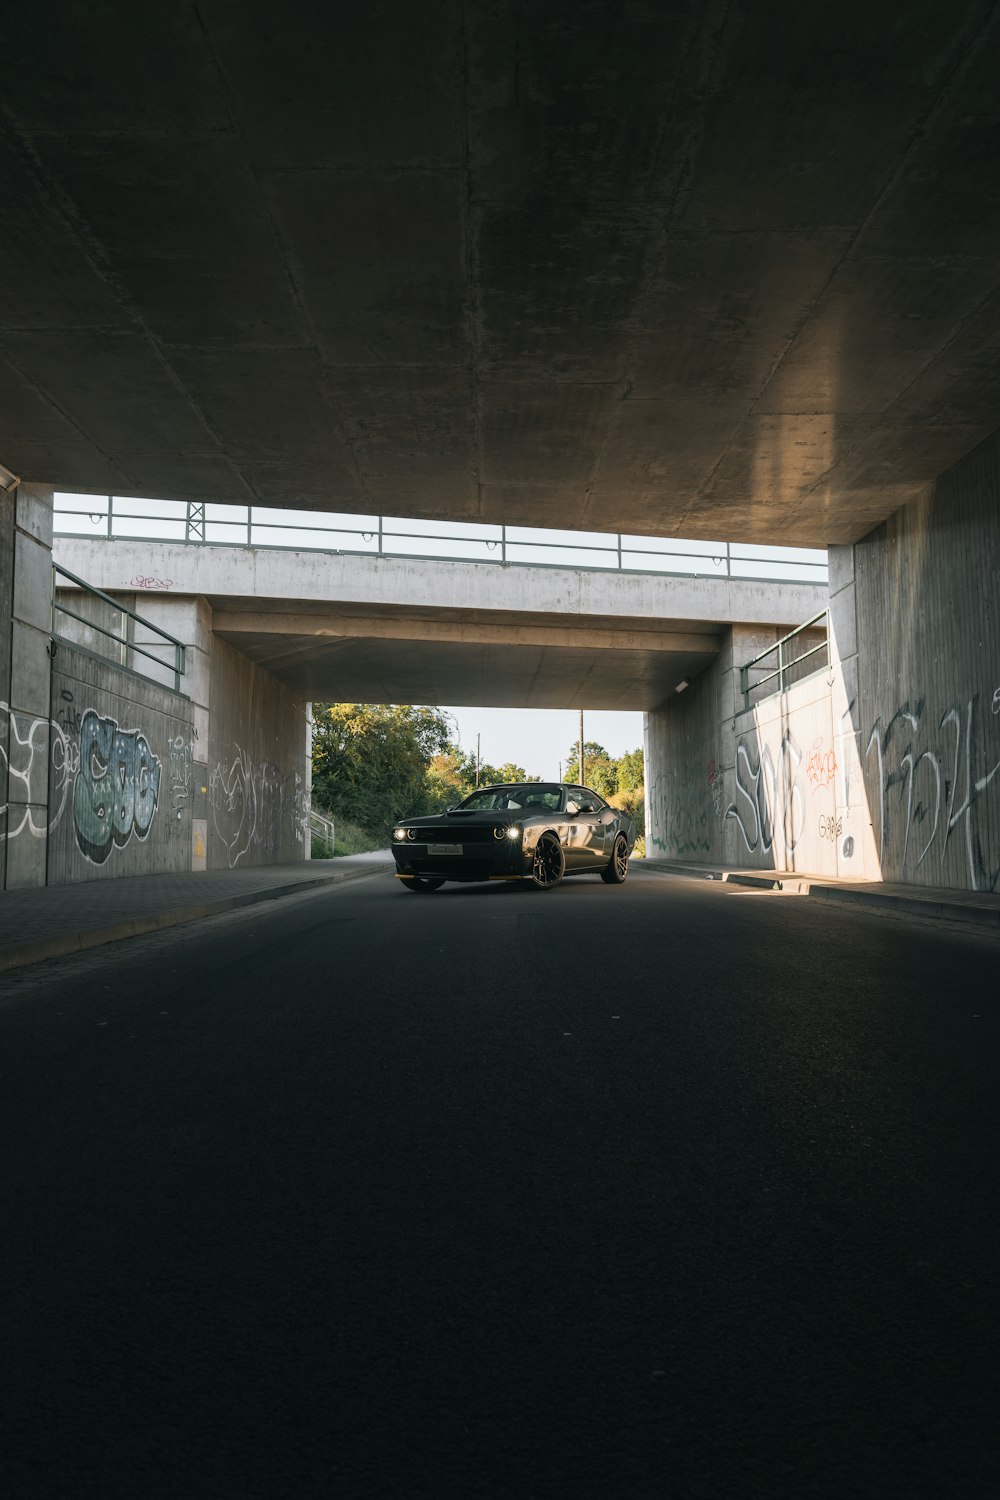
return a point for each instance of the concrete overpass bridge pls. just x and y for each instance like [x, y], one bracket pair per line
[694, 271]
[408, 631]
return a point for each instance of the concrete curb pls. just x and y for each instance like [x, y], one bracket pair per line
[21, 954]
[942, 911]
[934, 905]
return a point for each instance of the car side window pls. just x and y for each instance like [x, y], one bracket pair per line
[580, 800]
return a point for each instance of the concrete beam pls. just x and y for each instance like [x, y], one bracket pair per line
[296, 580]
[235, 623]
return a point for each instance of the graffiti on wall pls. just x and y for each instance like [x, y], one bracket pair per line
[36, 802]
[770, 795]
[715, 786]
[255, 805]
[117, 787]
[181, 764]
[679, 804]
[821, 765]
[927, 792]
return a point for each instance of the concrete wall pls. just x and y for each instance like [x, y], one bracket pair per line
[26, 526]
[924, 593]
[120, 782]
[7, 506]
[258, 792]
[104, 773]
[773, 787]
[888, 764]
[211, 784]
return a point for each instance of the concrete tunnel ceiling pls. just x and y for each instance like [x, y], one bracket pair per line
[709, 270]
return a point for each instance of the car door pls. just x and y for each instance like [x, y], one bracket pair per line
[586, 836]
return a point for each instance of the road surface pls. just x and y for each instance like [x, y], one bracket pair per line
[664, 1190]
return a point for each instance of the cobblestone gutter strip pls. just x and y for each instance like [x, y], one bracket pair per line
[36, 951]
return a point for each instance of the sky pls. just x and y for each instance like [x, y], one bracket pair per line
[539, 738]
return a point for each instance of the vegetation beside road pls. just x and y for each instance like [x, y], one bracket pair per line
[374, 763]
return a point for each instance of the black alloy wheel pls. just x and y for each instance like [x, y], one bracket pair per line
[422, 884]
[617, 868]
[549, 863]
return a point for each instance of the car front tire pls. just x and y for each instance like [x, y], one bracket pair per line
[548, 864]
[616, 872]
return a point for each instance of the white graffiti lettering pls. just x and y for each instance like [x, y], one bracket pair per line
[771, 801]
[36, 800]
[938, 779]
[255, 806]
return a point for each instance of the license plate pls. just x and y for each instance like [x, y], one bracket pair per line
[444, 849]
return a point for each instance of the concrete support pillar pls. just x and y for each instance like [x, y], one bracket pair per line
[307, 779]
[199, 673]
[857, 854]
[8, 505]
[28, 672]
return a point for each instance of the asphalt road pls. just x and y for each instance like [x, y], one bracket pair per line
[668, 1190]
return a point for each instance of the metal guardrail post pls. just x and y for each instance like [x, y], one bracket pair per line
[194, 522]
[745, 687]
[729, 562]
[781, 667]
[618, 539]
[379, 553]
[111, 506]
[503, 544]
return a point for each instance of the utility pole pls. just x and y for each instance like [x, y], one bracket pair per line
[582, 782]
[477, 760]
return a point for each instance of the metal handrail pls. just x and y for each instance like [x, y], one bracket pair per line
[784, 667]
[126, 647]
[376, 538]
[322, 828]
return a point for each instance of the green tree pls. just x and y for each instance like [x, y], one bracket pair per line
[600, 772]
[445, 780]
[490, 775]
[370, 760]
[631, 771]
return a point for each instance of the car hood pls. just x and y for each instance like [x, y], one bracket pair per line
[463, 819]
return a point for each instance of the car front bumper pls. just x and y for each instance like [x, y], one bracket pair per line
[478, 861]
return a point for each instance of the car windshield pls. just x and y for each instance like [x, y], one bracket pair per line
[526, 797]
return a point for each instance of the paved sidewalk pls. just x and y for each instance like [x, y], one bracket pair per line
[980, 909]
[56, 920]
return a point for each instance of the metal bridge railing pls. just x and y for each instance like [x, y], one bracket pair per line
[112, 621]
[786, 672]
[322, 831]
[115, 517]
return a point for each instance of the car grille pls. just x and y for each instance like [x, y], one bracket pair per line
[460, 834]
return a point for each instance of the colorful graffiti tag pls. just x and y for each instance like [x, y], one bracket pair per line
[116, 789]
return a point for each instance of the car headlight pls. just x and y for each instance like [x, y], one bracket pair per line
[401, 835]
[512, 831]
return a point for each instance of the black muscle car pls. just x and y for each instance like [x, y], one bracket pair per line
[533, 831]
